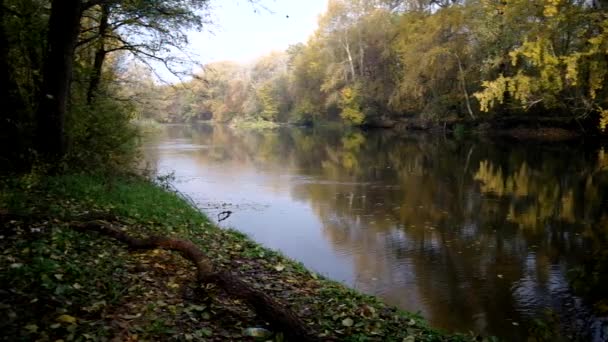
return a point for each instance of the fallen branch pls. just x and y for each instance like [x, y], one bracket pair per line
[277, 314]
[224, 215]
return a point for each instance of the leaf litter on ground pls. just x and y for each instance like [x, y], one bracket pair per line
[65, 285]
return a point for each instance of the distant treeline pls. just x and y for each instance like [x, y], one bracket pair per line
[374, 60]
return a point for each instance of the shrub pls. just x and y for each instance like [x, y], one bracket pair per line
[101, 136]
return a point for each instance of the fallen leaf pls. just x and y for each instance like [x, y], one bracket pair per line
[197, 307]
[66, 319]
[32, 328]
[279, 267]
[257, 332]
[347, 322]
[206, 332]
[130, 316]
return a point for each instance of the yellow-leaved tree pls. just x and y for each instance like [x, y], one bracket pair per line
[561, 65]
[350, 105]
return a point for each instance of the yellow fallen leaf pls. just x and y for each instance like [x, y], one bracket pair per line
[348, 322]
[31, 328]
[67, 319]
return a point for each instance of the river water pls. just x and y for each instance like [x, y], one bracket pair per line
[475, 235]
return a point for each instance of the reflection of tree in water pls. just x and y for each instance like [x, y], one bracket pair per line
[472, 234]
[456, 228]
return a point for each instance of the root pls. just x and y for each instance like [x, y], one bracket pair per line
[280, 316]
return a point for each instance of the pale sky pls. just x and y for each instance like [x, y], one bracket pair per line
[242, 31]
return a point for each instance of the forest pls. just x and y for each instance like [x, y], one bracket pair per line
[369, 62]
[376, 62]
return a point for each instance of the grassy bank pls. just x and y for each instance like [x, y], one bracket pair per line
[148, 126]
[254, 124]
[61, 284]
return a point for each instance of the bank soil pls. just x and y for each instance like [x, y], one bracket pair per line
[521, 128]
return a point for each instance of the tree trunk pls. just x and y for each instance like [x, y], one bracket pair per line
[8, 87]
[12, 140]
[5, 92]
[350, 59]
[100, 54]
[361, 59]
[463, 83]
[361, 53]
[64, 26]
[4, 65]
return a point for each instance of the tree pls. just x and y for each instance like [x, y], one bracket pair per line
[151, 31]
[306, 78]
[434, 56]
[561, 65]
[64, 27]
[156, 25]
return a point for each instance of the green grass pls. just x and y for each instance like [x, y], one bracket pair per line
[99, 283]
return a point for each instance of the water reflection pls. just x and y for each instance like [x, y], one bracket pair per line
[474, 235]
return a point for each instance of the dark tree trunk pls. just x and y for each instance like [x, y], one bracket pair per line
[100, 54]
[4, 72]
[8, 87]
[64, 26]
[11, 141]
[5, 118]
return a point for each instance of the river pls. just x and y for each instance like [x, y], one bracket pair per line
[474, 234]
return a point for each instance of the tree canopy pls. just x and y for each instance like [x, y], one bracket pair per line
[63, 60]
[388, 60]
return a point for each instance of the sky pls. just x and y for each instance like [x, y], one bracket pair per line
[242, 31]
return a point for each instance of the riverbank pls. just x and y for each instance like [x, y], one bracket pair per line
[520, 128]
[60, 283]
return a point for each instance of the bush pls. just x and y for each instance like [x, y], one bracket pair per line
[101, 136]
